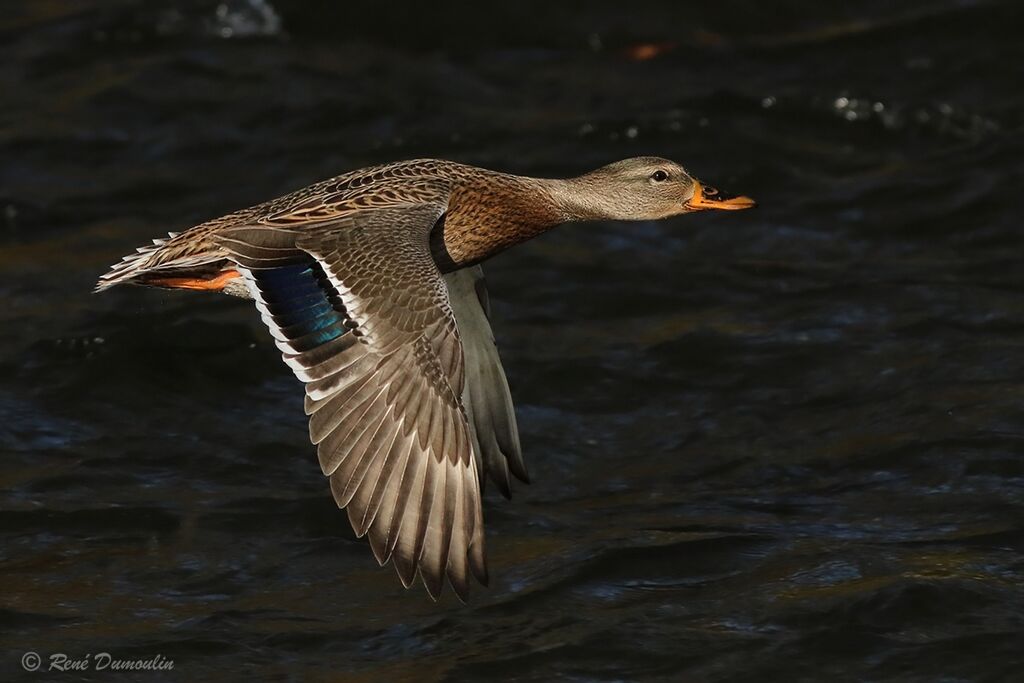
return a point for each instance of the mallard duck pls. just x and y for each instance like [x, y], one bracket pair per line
[371, 287]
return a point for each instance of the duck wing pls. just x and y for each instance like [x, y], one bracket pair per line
[362, 315]
[486, 395]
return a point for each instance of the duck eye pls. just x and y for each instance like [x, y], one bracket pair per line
[659, 176]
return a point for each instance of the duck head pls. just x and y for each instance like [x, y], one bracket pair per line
[643, 188]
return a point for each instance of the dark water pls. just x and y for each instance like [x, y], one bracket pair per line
[777, 445]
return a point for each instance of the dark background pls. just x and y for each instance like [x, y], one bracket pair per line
[772, 445]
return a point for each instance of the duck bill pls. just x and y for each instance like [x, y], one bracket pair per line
[705, 197]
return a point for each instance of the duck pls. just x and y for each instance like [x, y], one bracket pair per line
[370, 285]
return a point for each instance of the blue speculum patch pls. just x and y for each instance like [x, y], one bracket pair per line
[296, 299]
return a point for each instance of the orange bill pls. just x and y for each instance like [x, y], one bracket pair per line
[705, 197]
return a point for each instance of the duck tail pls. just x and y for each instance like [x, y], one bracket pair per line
[165, 263]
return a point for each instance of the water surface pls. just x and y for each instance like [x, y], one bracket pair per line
[772, 445]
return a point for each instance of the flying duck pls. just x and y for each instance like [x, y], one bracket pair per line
[371, 287]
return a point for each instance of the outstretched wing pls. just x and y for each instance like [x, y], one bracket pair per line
[486, 396]
[362, 316]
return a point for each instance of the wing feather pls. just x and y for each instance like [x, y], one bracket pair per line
[486, 396]
[363, 317]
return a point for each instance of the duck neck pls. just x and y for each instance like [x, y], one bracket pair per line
[490, 212]
[493, 212]
[586, 198]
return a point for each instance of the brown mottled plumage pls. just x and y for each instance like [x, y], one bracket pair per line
[369, 285]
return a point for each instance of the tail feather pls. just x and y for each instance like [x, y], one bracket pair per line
[160, 260]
